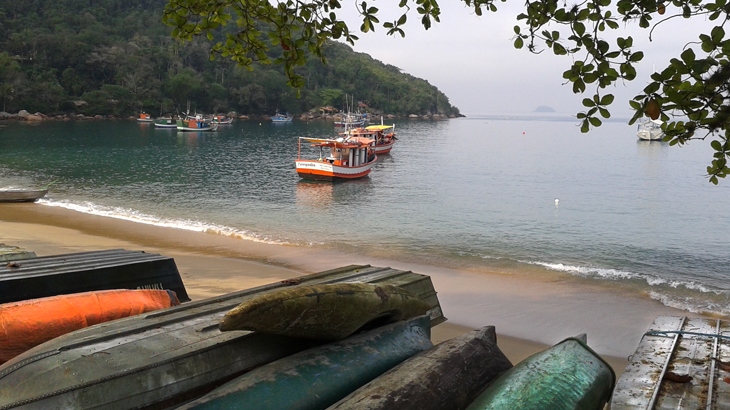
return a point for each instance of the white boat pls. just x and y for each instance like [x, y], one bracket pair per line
[282, 118]
[650, 130]
[349, 158]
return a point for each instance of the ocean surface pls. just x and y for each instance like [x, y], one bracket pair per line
[516, 194]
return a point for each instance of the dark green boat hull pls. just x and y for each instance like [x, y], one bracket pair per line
[568, 376]
[447, 377]
[319, 377]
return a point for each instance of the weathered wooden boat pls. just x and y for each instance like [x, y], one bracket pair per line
[169, 357]
[448, 376]
[567, 376]
[22, 195]
[88, 271]
[347, 159]
[28, 323]
[320, 376]
[680, 363]
[196, 123]
[329, 311]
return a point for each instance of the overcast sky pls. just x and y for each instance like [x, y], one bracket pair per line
[473, 61]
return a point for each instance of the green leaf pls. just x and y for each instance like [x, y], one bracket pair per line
[607, 99]
[518, 43]
[587, 102]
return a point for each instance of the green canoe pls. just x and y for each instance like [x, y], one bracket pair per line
[319, 377]
[568, 376]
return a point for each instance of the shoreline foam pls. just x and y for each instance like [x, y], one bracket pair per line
[529, 313]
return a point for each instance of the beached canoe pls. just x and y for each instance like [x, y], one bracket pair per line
[567, 376]
[324, 312]
[26, 324]
[318, 377]
[448, 376]
[22, 195]
[166, 358]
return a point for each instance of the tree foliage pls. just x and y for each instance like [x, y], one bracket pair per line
[113, 57]
[691, 94]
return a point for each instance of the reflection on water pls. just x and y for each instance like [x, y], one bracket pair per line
[314, 194]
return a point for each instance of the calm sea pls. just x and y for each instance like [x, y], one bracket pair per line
[527, 194]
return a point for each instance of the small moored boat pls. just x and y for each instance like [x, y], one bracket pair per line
[383, 136]
[21, 195]
[319, 377]
[279, 117]
[196, 123]
[348, 158]
[165, 122]
[567, 376]
[144, 117]
[221, 119]
[650, 130]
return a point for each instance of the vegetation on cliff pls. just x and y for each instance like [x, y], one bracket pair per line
[114, 57]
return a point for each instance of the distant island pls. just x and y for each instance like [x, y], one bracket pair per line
[544, 108]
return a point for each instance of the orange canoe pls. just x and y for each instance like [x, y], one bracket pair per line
[26, 324]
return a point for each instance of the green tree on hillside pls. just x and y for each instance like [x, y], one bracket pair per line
[692, 93]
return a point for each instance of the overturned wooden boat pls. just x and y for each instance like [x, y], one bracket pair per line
[88, 271]
[330, 311]
[681, 362]
[448, 376]
[22, 195]
[28, 323]
[320, 376]
[567, 376]
[166, 358]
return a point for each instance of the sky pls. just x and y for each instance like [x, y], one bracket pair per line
[473, 61]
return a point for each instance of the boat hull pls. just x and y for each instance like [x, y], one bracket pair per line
[447, 377]
[568, 376]
[22, 195]
[169, 357]
[323, 171]
[319, 377]
[165, 123]
[384, 148]
[646, 135]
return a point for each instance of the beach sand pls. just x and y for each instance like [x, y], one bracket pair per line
[529, 313]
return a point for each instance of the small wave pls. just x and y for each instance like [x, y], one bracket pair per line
[136, 216]
[691, 304]
[615, 274]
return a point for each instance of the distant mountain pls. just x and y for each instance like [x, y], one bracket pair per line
[114, 57]
[544, 108]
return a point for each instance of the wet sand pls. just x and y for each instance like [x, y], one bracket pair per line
[529, 313]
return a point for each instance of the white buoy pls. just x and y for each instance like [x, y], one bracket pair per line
[557, 202]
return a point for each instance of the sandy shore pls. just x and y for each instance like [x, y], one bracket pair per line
[529, 314]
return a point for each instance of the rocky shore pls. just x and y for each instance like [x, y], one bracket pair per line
[24, 115]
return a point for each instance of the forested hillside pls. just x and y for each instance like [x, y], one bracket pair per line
[116, 57]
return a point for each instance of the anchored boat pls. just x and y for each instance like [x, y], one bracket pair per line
[681, 362]
[144, 117]
[383, 136]
[341, 158]
[196, 123]
[221, 119]
[169, 357]
[650, 130]
[165, 122]
[282, 118]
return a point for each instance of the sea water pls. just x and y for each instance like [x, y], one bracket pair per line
[527, 194]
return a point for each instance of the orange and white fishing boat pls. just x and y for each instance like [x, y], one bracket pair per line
[383, 136]
[341, 158]
[144, 117]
